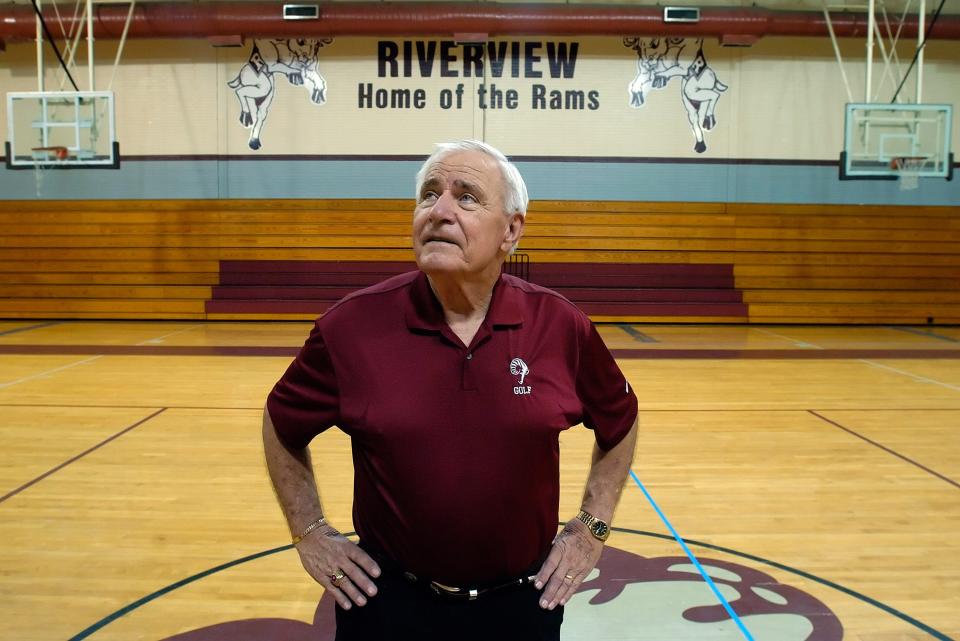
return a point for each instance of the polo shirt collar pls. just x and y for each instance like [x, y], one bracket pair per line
[425, 312]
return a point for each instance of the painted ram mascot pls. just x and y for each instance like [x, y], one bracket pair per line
[255, 88]
[659, 61]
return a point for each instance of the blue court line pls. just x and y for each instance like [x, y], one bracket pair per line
[806, 575]
[28, 328]
[636, 333]
[920, 332]
[690, 555]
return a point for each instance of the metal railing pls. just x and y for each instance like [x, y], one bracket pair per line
[517, 265]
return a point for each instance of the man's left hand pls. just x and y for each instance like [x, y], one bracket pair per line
[575, 552]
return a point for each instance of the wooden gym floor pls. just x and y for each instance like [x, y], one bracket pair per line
[815, 471]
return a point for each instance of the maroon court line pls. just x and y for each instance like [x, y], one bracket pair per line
[79, 456]
[785, 354]
[153, 350]
[888, 450]
[138, 407]
[765, 410]
[641, 354]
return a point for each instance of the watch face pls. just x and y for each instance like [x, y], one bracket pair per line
[600, 529]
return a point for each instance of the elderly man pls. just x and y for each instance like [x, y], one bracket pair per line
[454, 383]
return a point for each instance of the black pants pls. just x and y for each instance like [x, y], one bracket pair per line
[404, 611]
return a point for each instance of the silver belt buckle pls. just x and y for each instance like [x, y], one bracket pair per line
[471, 594]
[449, 590]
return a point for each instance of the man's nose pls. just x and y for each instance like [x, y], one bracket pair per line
[443, 209]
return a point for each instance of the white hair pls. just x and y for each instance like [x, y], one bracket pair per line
[515, 198]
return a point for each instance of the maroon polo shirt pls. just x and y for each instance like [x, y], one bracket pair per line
[455, 448]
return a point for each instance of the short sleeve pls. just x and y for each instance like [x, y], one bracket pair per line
[306, 400]
[609, 404]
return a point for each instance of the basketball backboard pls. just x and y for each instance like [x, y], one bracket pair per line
[879, 138]
[61, 129]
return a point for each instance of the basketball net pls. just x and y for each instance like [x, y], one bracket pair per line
[45, 158]
[908, 169]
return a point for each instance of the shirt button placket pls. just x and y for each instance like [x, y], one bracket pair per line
[466, 380]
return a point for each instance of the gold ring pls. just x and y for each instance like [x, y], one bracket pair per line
[568, 577]
[337, 578]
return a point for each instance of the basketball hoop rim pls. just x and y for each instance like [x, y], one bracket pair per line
[59, 152]
[908, 163]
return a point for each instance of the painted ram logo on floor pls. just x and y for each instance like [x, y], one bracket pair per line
[660, 60]
[295, 58]
[626, 596]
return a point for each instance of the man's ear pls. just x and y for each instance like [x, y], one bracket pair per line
[513, 232]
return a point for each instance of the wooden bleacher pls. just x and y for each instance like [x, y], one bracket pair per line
[621, 261]
[600, 289]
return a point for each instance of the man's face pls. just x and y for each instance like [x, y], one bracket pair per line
[459, 224]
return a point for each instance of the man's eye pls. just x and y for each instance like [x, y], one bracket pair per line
[468, 198]
[428, 195]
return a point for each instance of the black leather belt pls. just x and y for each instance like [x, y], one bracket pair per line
[468, 594]
[449, 591]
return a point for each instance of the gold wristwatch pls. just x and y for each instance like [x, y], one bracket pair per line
[599, 529]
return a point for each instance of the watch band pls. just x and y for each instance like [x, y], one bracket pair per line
[599, 529]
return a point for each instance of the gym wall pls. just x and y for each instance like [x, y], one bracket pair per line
[583, 117]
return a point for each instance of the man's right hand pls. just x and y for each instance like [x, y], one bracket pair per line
[325, 551]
